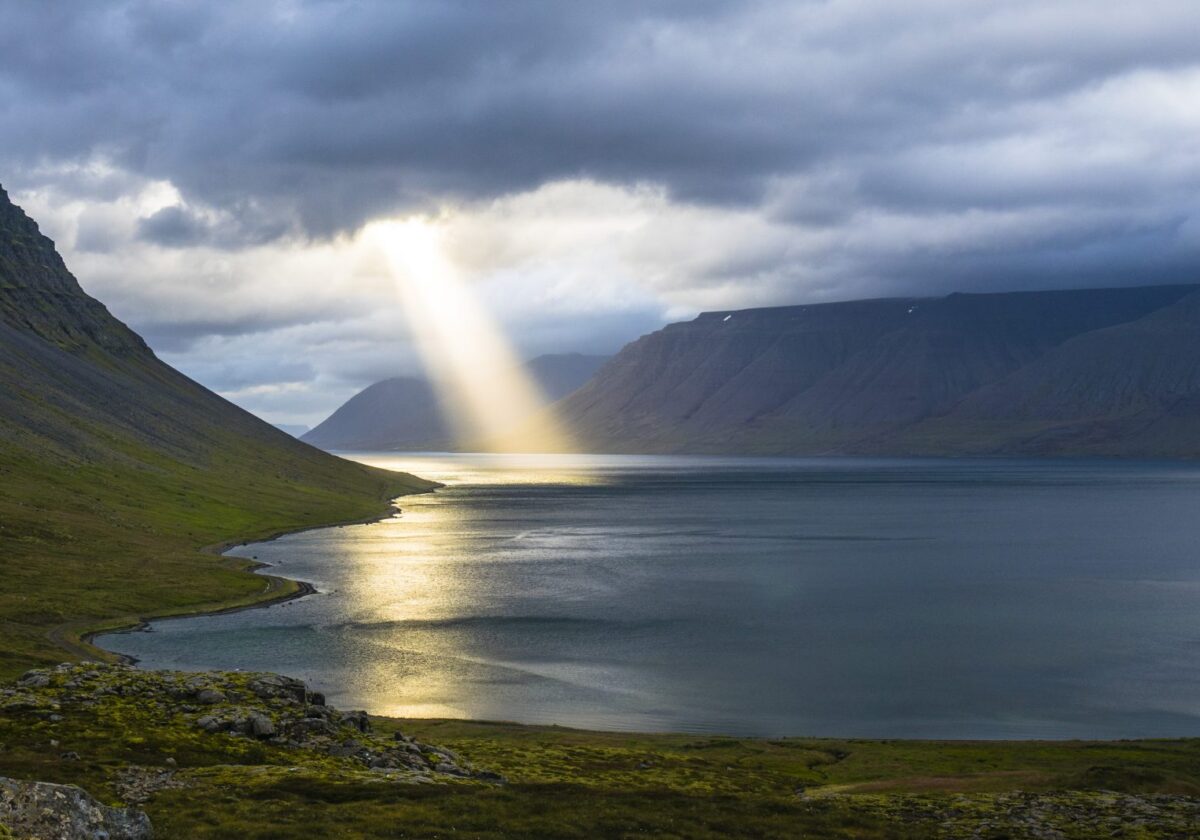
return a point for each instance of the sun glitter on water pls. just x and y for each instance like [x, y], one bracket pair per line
[486, 391]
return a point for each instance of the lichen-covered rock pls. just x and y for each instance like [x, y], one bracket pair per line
[277, 686]
[43, 811]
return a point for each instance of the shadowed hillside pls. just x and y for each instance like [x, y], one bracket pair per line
[115, 468]
[1038, 372]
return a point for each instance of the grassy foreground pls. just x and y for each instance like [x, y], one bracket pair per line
[132, 737]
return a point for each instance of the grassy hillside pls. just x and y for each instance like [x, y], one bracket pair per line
[115, 470]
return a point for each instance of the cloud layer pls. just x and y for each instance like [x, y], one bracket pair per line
[207, 167]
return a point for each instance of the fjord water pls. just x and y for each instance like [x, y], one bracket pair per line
[887, 598]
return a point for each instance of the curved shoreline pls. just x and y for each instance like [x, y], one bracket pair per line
[78, 638]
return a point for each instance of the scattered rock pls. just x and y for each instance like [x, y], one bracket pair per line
[138, 784]
[210, 697]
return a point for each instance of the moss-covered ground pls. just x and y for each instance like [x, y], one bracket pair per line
[137, 741]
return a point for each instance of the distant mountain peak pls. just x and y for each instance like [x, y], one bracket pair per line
[406, 412]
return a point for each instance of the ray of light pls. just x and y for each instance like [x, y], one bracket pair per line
[484, 388]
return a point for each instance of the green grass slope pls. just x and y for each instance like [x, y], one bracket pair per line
[115, 470]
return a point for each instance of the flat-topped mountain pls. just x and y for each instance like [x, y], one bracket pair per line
[1099, 371]
[404, 413]
[115, 468]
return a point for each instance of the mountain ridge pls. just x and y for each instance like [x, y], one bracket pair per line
[855, 377]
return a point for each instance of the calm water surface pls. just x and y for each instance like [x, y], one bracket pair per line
[893, 598]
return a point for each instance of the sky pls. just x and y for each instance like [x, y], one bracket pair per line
[210, 170]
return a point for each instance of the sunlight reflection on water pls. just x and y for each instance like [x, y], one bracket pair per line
[770, 596]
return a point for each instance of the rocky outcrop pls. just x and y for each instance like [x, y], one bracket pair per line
[42, 811]
[269, 708]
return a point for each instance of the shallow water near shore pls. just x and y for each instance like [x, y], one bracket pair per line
[849, 597]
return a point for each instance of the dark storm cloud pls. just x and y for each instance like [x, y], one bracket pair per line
[328, 113]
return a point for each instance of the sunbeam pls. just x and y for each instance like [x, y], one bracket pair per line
[491, 399]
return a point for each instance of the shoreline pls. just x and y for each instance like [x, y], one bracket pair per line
[78, 638]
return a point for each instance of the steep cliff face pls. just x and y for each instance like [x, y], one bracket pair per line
[77, 385]
[39, 297]
[874, 376]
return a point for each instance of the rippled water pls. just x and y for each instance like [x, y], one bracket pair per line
[752, 596]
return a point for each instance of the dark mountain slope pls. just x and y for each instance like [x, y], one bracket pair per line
[843, 377]
[115, 468]
[1131, 387]
[719, 371]
[404, 413]
[559, 374]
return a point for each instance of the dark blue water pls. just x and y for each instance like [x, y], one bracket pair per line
[924, 598]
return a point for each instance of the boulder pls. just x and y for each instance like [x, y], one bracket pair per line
[276, 686]
[261, 726]
[210, 723]
[359, 720]
[210, 696]
[34, 679]
[43, 811]
[314, 726]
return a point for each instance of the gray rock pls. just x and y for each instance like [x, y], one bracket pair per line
[34, 679]
[261, 726]
[358, 720]
[42, 811]
[314, 725]
[449, 755]
[209, 723]
[209, 696]
[270, 686]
